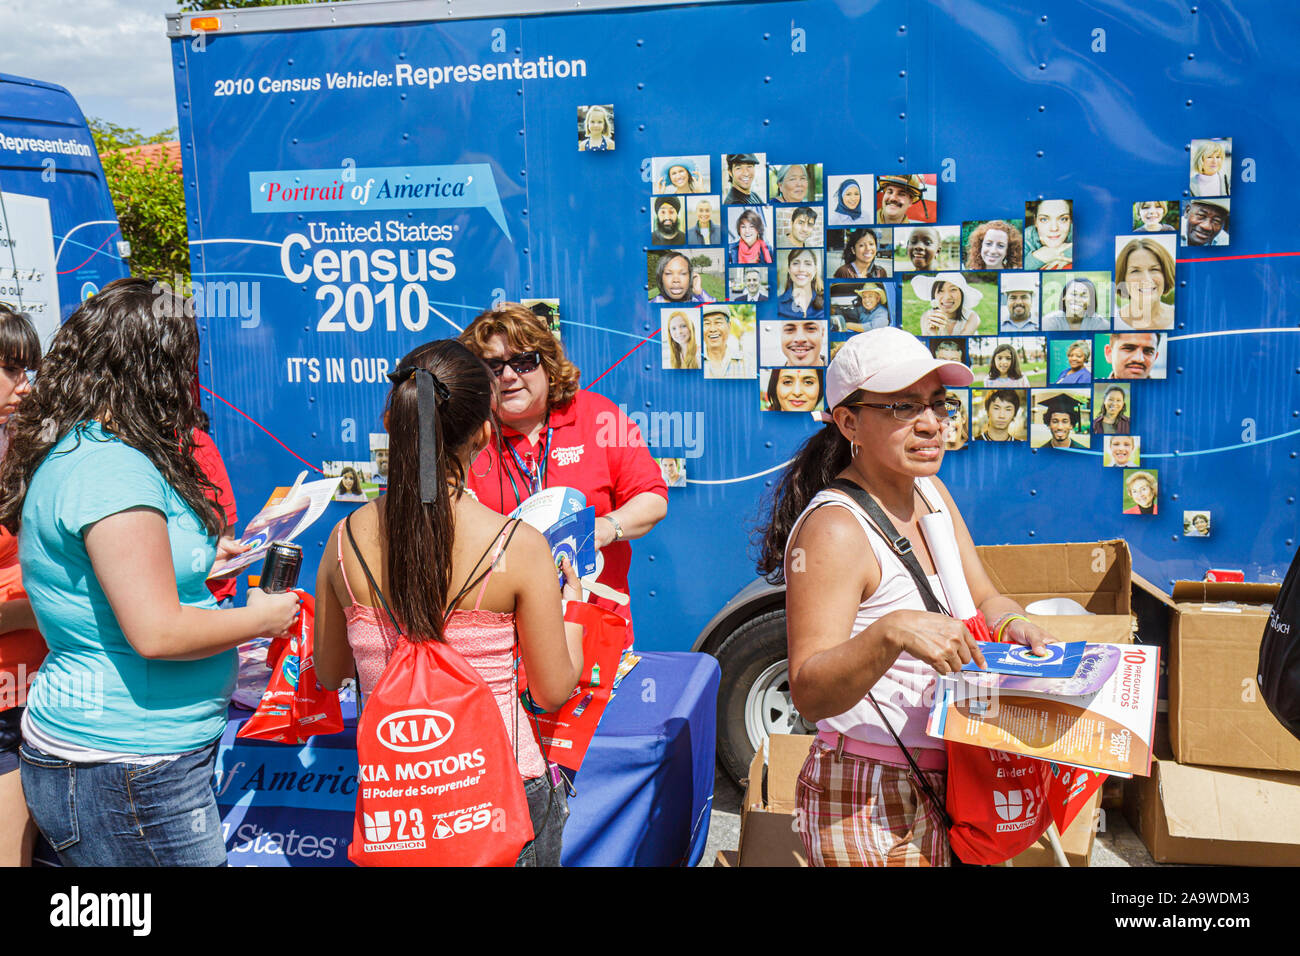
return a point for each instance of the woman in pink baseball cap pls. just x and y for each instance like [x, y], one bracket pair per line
[864, 651]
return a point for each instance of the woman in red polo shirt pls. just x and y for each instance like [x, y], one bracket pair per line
[555, 434]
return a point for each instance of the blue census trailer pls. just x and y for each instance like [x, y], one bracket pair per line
[59, 238]
[362, 177]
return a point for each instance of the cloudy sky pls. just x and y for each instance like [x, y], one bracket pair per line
[112, 55]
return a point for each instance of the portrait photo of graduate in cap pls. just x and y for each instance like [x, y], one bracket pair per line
[799, 227]
[744, 179]
[1019, 312]
[666, 222]
[679, 175]
[1049, 234]
[1060, 418]
[1121, 451]
[704, 215]
[796, 183]
[905, 199]
[992, 244]
[1141, 489]
[1205, 222]
[1211, 167]
[848, 200]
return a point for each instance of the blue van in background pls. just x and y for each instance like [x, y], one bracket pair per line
[59, 236]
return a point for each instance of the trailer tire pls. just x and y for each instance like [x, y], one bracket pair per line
[754, 695]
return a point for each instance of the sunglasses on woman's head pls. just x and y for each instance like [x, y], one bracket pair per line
[522, 363]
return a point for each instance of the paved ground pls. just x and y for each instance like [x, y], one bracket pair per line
[1116, 843]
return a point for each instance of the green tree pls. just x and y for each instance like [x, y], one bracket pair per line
[149, 198]
[194, 6]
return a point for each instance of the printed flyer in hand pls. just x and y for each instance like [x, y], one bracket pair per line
[1100, 719]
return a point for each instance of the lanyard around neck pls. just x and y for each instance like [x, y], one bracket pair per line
[534, 476]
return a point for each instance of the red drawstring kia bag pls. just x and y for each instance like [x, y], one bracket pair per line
[996, 805]
[438, 781]
[294, 706]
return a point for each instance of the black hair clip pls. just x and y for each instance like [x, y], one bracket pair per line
[400, 375]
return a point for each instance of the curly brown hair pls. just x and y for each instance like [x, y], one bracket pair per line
[525, 332]
[127, 358]
[1015, 244]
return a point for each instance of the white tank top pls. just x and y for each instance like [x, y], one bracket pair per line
[906, 689]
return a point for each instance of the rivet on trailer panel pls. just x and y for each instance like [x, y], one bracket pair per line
[1173, 537]
[1033, 492]
[1032, 533]
[640, 86]
[1189, 102]
[647, 366]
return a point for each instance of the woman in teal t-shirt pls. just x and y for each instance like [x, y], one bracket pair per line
[115, 539]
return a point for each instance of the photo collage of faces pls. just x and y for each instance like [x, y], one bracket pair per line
[765, 274]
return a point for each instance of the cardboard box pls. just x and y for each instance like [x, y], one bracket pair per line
[1076, 841]
[1094, 573]
[1217, 717]
[1204, 815]
[768, 832]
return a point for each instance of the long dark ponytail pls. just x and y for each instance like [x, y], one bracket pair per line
[821, 458]
[419, 534]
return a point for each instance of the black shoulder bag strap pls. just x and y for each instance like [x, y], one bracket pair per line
[902, 548]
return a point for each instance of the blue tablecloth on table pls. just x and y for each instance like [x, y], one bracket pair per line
[645, 790]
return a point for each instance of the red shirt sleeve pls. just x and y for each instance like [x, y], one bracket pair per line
[209, 459]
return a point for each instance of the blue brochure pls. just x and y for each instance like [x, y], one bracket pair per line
[1061, 660]
[575, 536]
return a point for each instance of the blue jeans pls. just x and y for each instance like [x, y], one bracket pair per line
[118, 814]
[544, 848]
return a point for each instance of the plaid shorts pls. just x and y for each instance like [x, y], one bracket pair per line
[862, 812]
